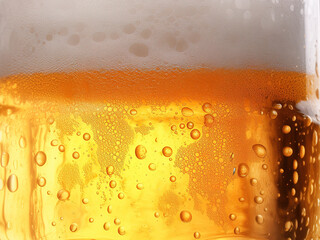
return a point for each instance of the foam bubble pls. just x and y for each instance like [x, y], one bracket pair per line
[58, 35]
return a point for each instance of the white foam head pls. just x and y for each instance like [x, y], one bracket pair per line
[59, 35]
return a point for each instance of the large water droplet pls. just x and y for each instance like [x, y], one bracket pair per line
[259, 150]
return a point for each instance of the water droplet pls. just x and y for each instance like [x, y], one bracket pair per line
[182, 125]
[61, 148]
[110, 170]
[196, 235]
[185, 216]
[63, 195]
[85, 200]
[208, 120]
[40, 158]
[22, 142]
[302, 151]
[187, 112]
[141, 152]
[190, 125]
[253, 181]
[314, 138]
[73, 227]
[207, 107]
[156, 214]
[259, 219]
[232, 217]
[277, 106]
[117, 221]
[12, 183]
[259, 150]
[41, 181]
[286, 129]
[54, 142]
[91, 220]
[287, 151]
[121, 231]
[86, 136]
[308, 121]
[50, 120]
[236, 230]
[139, 186]
[264, 166]
[195, 134]
[258, 199]
[112, 183]
[241, 199]
[133, 111]
[173, 179]
[121, 195]
[273, 114]
[152, 167]
[243, 170]
[75, 155]
[167, 151]
[295, 164]
[4, 159]
[288, 226]
[109, 209]
[295, 177]
[106, 226]
[53, 223]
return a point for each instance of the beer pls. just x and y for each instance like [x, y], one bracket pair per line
[159, 154]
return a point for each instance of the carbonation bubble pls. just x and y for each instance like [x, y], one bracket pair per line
[259, 219]
[112, 183]
[287, 151]
[253, 181]
[195, 134]
[152, 167]
[86, 136]
[232, 217]
[236, 230]
[106, 226]
[243, 170]
[207, 107]
[196, 235]
[109, 209]
[259, 150]
[73, 227]
[54, 142]
[295, 177]
[258, 199]
[187, 112]
[190, 125]
[117, 221]
[121, 195]
[141, 152]
[208, 120]
[139, 49]
[302, 151]
[156, 214]
[40, 158]
[75, 155]
[61, 148]
[121, 231]
[91, 220]
[41, 181]
[63, 195]
[185, 216]
[85, 200]
[173, 178]
[286, 129]
[22, 142]
[133, 111]
[110, 170]
[167, 151]
[12, 183]
[4, 159]
[139, 186]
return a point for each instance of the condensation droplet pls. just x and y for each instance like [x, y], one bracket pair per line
[259, 219]
[50, 120]
[241, 199]
[286, 129]
[156, 214]
[207, 107]
[259, 150]
[253, 181]
[152, 167]
[236, 230]
[40, 158]
[112, 183]
[182, 125]
[117, 221]
[258, 199]
[302, 151]
[141, 151]
[187, 112]
[54, 142]
[109, 209]
[61, 148]
[185, 216]
[106, 226]
[22, 142]
[91, 220]
[196, 235]
[73, 227]
[110, 170]
[287, 151]
[140, 186]
[12, 183]
[4, 159]
[195, 134]
[133, 111]
[85, 200]
[53, 223]
[41, 181]
[208, 120]
[121, 195]
[167, 151]
[75, 155]
[139, 49]
[264, 166]
[295, 177]
[63, 195]
[295, 164]
[273, 114]
[314, 138]
[243, 170]
[121, 231]
[308, 121]
[288, 226]
[232, 217]
[86, 136]
[190, 125]
[173, 178]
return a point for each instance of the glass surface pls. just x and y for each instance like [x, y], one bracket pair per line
[156, 120]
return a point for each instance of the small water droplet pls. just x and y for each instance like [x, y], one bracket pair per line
[61, 148]
[106, 226]
[259, 219]
[286, 129]
[287, 151]
[133, 111]
[63, 195]
[109, 209]
[264, 166]
[112, 183]
[121, 195]
[236, 230]
[185, 216]
[53, 223]
[187, 112]
[173, 178]
[121, 231]
[75, 155]
[85, 200]
[12, 183]
[140, 186]
[314, 138]
[4, 159]
[190, 125]
[73, 227]
[302, 151]
[54, 142]
[258, 199]
[40, 158]
[196, 235]
[243, 170]
[141, 152]
[117, 221]
[86, 136]
[152, 167]
[156, 214]
[259, 150]
[232, 217]
[288, 226]
[41, 181]
[22, 142]
[110, 170]
[253, 181]
[273, 114]
[295, 177]
[167, 151]
[207, 107]
[91, 220]
[182, 125]
[195, 134]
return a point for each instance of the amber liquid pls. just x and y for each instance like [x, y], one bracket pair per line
[157, 155]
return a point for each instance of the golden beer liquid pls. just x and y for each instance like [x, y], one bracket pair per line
[158, 155]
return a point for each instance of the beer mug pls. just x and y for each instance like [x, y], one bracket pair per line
[156, 120]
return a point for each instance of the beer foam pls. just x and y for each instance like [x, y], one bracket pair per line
[58, 35]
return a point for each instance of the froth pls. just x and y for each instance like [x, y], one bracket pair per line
[71, 35]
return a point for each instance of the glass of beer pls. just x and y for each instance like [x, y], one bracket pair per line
[159, 120]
